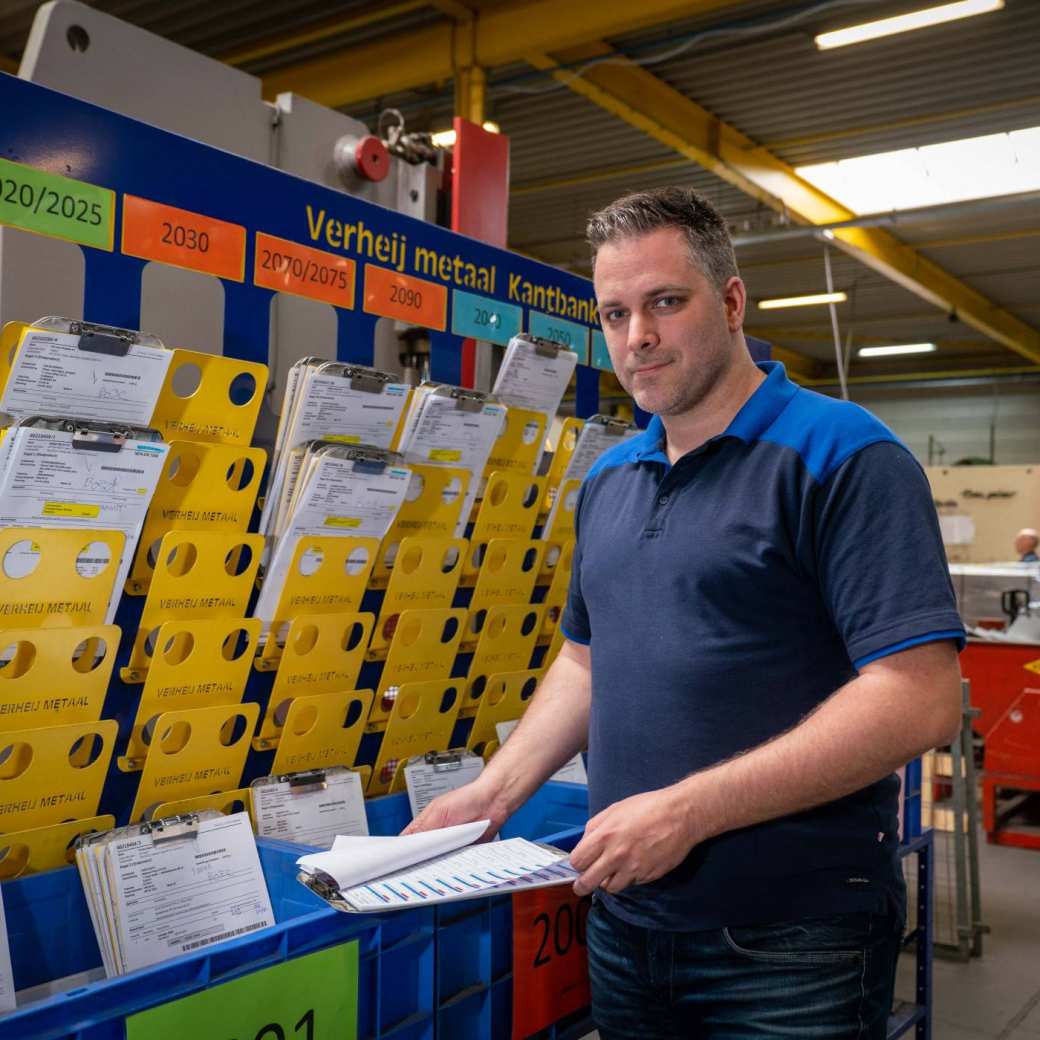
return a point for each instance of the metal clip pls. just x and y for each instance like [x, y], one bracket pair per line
[547, 348]
[302, 783]
[171, 827]
[443, 761]
[103, 339]
[470, 400]
[611, 427]
[84, 439]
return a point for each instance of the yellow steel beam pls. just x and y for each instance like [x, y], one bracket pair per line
[635, 95]
[471, 94]
[499, 36]
[315, 34]
[8, 64]
[799, 365]
[952, 373]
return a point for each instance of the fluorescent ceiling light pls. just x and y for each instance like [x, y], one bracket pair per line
[802, 301]
[906, 22]
[971, 168]
[896, 349]
[446, 138]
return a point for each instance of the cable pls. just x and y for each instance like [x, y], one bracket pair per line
[834, 324]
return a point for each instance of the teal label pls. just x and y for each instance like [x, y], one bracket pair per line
[481, 318]
[600, 358]
[559, 330]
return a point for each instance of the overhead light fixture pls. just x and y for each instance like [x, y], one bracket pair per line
[802, 301]
[446, 138]
[896, 349]
[933, 175]
[901, 23]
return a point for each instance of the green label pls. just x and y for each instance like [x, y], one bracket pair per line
[600, 356]
[56, 206]
[308, 998]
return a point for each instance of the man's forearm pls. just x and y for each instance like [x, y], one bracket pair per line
[859, 735]
[554, 728]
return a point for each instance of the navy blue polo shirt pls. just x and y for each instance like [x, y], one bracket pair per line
[723, 598]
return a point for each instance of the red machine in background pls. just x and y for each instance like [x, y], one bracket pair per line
[1005, 688]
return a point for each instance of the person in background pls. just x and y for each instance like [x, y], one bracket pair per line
[760, 629]
[1026, 542]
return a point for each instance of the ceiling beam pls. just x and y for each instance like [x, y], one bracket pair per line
[638, 97]
[8, 64]
[799, 334]
[495, 37]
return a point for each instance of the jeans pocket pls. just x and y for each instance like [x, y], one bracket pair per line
[827, 940]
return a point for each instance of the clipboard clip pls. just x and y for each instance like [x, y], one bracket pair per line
[472, 401]
[303, 783]
[90, 435]
[443, 761]
[547, 348]
[367, 380]
[611, 427]
[172, 827]
[103, 339]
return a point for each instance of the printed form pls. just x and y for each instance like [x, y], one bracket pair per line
[311, 816]
[51, 375]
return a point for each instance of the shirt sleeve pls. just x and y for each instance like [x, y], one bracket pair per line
[879, 555]
[575, 620]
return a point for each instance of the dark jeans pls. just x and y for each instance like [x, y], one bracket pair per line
[829, 979]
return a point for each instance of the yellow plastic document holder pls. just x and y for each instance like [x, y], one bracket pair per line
[508, 573]
[425, 574]
[328, 575]
[320, 653]
[210, 398]
[424, 646]
[196, 664]
[45, 848]
[198, 574]
[323, 653]
[430, 510]
[505, 698]
[322, 730]
[422, 717]
[204, 487]
[54, 675]
[54, 774]
[227, 802]
[561, 524]
[506, 642]
[55, 594]
[194, 752]
[10, 340]
[509, 508]
[565, 445]
[556, 598]
[519, 445]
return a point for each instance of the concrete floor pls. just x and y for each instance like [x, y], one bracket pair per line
[995, 997]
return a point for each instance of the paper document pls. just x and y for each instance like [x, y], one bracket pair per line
[572, 772]
[364, 875]
[534, 375]
[310, 808]
[52, 375]
[156, 891]
[429, 776]
[53, 477]
[597, 435]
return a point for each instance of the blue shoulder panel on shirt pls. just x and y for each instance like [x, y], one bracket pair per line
[825, 432]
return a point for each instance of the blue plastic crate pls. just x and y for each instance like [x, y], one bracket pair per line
[421, 973]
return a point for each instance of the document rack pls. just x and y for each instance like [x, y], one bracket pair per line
[505, 698]
[322, 729]
[506, 643]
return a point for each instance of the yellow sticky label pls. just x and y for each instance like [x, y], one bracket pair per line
[1033, 666]
[80, 510]
[343, 438]
[342, 521]
[445, 455]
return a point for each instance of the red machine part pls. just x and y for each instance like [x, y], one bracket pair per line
[371, 159]
[1005, 687]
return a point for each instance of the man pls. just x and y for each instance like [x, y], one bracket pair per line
[760, 629]
[1025, 545]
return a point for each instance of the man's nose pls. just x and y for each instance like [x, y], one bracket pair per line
[642, 333]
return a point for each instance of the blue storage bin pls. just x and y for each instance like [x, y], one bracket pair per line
[422, 973]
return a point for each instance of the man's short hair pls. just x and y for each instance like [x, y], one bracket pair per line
[644, 211]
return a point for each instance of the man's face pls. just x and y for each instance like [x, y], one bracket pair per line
[669, 331]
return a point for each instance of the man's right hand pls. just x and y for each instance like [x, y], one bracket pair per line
[474, 801]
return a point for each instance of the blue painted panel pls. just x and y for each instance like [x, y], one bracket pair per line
[483, 318]
[599, 357]
[560, 330]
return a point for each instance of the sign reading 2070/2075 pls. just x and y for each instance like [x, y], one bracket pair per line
[60, 207]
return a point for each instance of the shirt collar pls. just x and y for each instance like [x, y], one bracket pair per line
[756, 415]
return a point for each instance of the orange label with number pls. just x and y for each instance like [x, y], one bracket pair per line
[154, 231]
[291, 268]
[400, 296]
[550, 958]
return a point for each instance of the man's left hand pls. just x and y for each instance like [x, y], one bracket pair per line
[635, 841]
